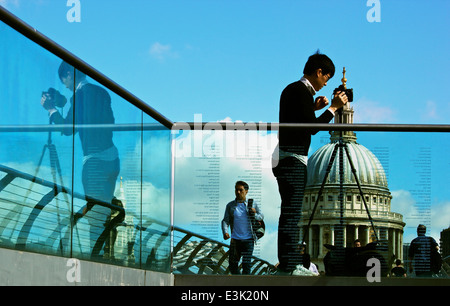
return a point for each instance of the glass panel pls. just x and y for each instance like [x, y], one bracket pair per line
[107, 165]
[156, 196]
[403, 178]
[94, 137]
[27, 74]
[207, 166]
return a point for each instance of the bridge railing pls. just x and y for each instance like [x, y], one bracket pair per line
[46, 225]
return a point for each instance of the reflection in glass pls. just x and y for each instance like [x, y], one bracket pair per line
[34, 215]
[128, 187]
[156, 190]
[90, 105]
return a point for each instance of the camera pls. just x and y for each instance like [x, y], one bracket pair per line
[58, 99]
[348, 92]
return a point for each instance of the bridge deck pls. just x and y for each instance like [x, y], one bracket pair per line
[275, 280]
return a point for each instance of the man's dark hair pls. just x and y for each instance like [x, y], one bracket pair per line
[65, 67]
[319, 61]
[242, 183]
[421, 229]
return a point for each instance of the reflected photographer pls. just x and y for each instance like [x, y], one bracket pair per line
[89, 105]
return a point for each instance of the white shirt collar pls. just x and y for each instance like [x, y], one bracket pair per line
[81, 84]
[308, 85]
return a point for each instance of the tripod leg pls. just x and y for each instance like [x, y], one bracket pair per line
[341, 232]
[330, 164]
[55, 164]
[360, 191]
[37, 170]
[54, 167]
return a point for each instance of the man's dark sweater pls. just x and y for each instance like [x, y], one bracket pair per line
[297, 106]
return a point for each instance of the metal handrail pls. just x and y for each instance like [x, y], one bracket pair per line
[42, 40]
[274, 126]
[116, 127]
[259, 265]
[203, 240]
[249, 126]
[46, 199]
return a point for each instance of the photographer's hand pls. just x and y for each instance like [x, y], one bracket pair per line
[339, 100]
[47, 102]
[320, 103]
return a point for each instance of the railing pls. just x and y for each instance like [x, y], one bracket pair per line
[192, 253]
[42, 206]
[197, 254]
[274, 126]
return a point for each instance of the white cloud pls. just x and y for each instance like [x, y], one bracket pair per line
[367, 111]
[162, 52]
[440, 218]
[155, 201]
[430, 111]
[229, 120]
[404, 203]
[226, 119]
[9, 3]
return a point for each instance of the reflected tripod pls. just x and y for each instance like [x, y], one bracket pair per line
[55, 168]
[340, 146]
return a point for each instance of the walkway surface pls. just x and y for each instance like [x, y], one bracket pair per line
[274, 280]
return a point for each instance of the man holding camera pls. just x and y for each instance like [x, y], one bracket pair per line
[297, 105]
[90, 105]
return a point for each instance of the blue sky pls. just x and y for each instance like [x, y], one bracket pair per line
[231, 60]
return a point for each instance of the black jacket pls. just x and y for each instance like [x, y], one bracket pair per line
[297, 106]
[92, 106]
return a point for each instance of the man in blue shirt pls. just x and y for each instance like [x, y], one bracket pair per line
[242, 236]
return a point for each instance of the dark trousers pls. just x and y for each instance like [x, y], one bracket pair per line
[99, 181]
[99, 178]
[238, 249]
[291, 177]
